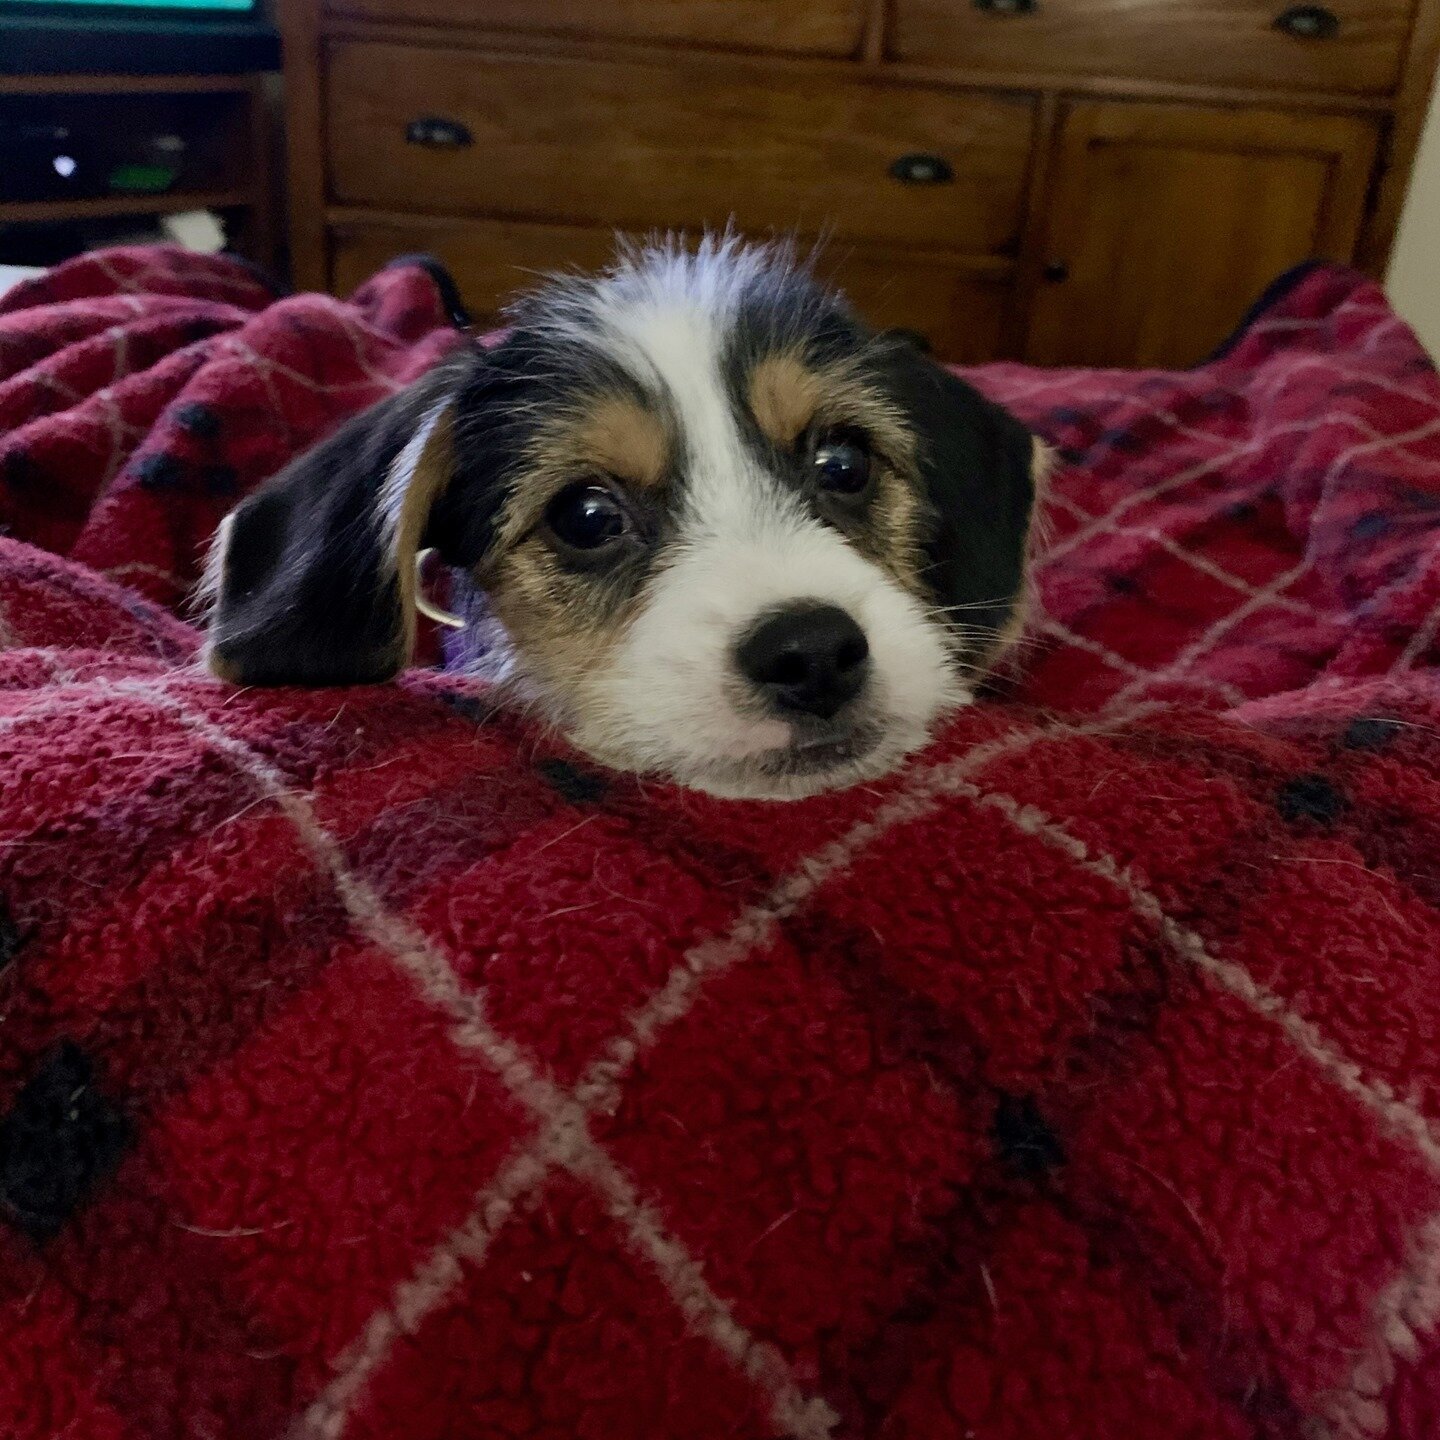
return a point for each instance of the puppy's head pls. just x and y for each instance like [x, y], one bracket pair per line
[735, 538]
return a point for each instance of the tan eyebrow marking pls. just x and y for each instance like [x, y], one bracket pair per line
[785, 394]
[622, 436]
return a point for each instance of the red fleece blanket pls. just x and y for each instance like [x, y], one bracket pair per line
[370, 1066]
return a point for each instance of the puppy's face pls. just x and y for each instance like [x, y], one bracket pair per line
[734, 538]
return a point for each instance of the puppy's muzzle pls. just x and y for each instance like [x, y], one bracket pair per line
[806, 660]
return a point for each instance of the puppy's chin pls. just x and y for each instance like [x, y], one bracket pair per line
[769, 760]
[798, 772]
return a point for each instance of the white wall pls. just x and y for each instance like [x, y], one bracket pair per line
[1414, 278]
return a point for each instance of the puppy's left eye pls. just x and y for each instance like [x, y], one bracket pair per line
[841, 464]
[587, 518]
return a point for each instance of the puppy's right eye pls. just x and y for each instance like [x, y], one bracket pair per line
[841, 464]
[587, 518]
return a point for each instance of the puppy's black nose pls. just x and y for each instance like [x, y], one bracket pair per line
[808, 659]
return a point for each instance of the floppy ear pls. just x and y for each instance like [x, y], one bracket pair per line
[981, 470]
[311, 580]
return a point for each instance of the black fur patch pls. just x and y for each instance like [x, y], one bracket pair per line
[309, 595]
[910, 337]
[787, 309]
[975, 462]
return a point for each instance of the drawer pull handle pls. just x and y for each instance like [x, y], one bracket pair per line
[922, 169]
[1007, 7]
[1309, 22]
[435, 133]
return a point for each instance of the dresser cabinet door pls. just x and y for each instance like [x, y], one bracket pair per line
[1166, 222]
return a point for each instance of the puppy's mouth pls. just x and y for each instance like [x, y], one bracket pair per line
[817, 755]
[809, 765]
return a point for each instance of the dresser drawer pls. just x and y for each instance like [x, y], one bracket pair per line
[958, 307]
[1218, 42]
[815, 27]
[686, 144]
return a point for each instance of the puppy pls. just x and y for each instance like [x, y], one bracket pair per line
[735, 538]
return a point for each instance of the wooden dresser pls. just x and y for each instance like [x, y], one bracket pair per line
[1098, 182]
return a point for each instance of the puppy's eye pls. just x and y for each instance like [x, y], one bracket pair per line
[841, 464]
[588, 518]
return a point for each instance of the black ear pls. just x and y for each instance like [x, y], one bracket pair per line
[311, 580]
[981, 470]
